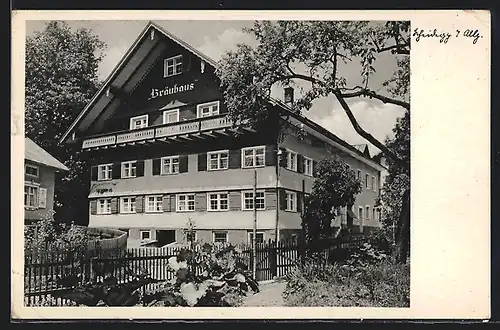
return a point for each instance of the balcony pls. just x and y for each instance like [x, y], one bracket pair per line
[199, 128]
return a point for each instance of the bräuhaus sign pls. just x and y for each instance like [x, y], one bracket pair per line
[170, 90]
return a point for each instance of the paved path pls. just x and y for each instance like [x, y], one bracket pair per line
[270, 295]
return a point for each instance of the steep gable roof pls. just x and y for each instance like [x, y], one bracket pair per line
[37, 154]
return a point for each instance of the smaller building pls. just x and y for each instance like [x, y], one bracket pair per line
[40, 168]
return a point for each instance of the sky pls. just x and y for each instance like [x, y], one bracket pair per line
[214, 38]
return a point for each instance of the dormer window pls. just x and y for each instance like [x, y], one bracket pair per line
[172, 66]
[208, 109]
[170, 116]
[139, 122]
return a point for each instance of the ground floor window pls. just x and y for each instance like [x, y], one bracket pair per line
[30, 196]
[220, 237]
[146, 234]
[259, 238]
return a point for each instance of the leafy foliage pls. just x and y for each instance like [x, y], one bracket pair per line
[61, 77]
[335, 186]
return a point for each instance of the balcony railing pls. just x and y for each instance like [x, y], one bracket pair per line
[168, 130]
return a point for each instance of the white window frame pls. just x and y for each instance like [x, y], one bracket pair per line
[218, 153]
[157, 201]
[166, 113]
[361, 216]
[220, 232]
[374, 183]
[367, 178]
[254, 156]
[133, 165]
[186, 196]
[367, 212]
[359, 175]
[107, 206]
[210, 106]
[243, 205]
[33, 167]
[294, 201]
[174, 65]
[36, 192]
[291, 162]
[108, 172]
[133, 206]
[218, 199]
[171, 167]
[141, 117]
[146, 231]
[250, 233]
[374, 213]
[311, 171]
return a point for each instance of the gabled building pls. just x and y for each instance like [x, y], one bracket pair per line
[39, 179]
[162, 151]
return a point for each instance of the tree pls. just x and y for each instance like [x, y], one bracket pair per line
[336, 186]
[61, 77]
[309, 55]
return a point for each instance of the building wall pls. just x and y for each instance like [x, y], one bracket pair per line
[46, 179]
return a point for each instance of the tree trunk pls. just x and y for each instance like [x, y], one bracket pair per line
[403, 232]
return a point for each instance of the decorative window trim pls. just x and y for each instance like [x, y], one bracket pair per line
[162, 172]
[210, 104]
[209, 209]
[107, 207]
[289, 154]
[168, 112]
[305, 167]
[109, 172]
[254, 157]
[294, 194]
[174, 71]
[36, 167]
[243, 207]
[132, 126]
[220, 232]
[218, 153]
[149, 233]
[122, 209]
[177, 199]
[250, 233]
[156, 203]
[122, 169]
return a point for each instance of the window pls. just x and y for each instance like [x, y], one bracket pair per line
[248, 200]
[172, 66]
[129, 169]
[291, 201]
[154, 203]
[104, 206]
[359, 175]
[170, 165]
[127, 205]
[374, 183]
[253, 157]
[291, 160]
[367, 178]
[170, 116]
[185, 203]
[145, 235]
[308, 166]
[294, 238]
[190, 235]
[220, 237]
[360, 214]
[139, 122]
[259, 237]
[104, 172]
[374, 215]
[30, 196]
[208, 109]
[218, 160]
[218, 202]
[31, 170]
[367, 214]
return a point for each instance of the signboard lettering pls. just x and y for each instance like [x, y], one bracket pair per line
[156, 92]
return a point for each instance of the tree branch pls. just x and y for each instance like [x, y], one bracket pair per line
[372, 94]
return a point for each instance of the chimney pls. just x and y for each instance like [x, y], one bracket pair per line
[289, 96]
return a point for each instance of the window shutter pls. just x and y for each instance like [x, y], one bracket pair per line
[270, 199]
[183, 163]
[300, 163]
[271, 155]
[172, 203]
[93, 173]
[166, 203]
[114, 205]
[282, 196]
[139, 204]
[235, 201]
[42, 198]
[202, 162]
[235, 158]
[200, 202]
[93, 207]
[283, 157]
[156, 166]
[139, 171]
[116, 171]
[299, 202]
[315, 165]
